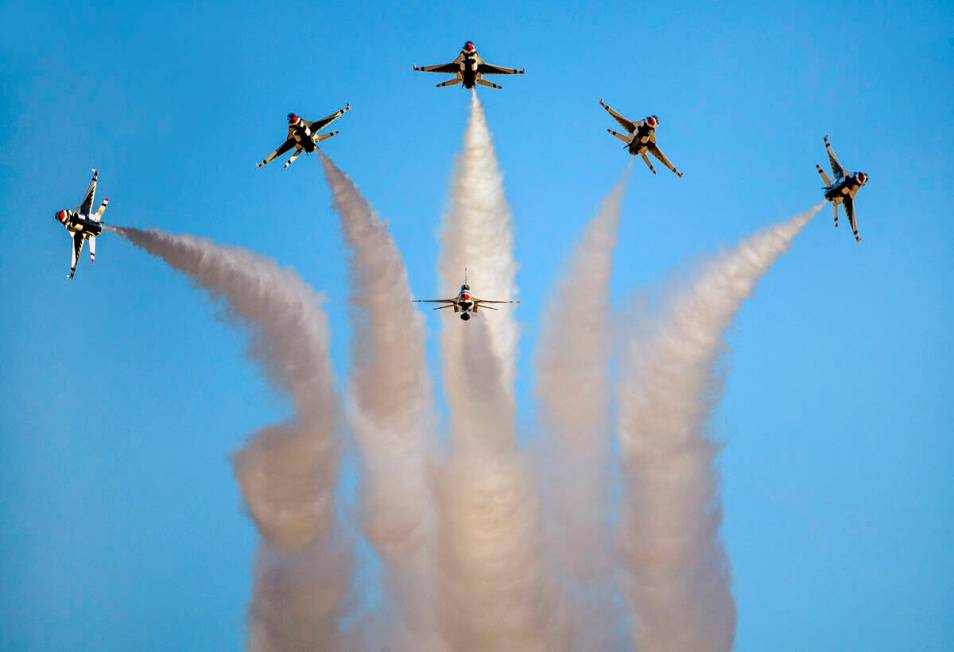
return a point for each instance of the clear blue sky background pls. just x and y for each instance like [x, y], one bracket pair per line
[120, 521]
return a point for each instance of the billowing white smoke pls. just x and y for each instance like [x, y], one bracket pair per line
[392, 419]
[677, 573]
[573, 388]
[288, 472]
[493, 590]
[478, 235]
[299, 597]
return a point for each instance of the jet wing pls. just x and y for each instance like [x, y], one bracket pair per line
[483, 301]
[652, 147]
[849, 203]
[78, 242]
[87, 206]
[318, 125]
[628, 125]
[489, 69]
[448, 303]
[836, 168]
[287, 145]
[450, 68]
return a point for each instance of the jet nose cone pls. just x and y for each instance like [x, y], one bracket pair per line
[469, 46]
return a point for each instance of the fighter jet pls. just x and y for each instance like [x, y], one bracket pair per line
[465, 302]
[82, 223]
[469, 69]
[640, 138]
[303, 136]
[844, 189]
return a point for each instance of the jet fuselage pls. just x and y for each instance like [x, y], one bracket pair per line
[76, 223]
[837, 192]
[465, 300]
[641, 139]
[468, 67]
[304, 138]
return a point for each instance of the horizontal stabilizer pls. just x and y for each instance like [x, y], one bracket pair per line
[102, 209]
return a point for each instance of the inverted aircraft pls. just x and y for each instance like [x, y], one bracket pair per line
[83, 224]
[469, 69]
[303, 136]
[844, 188]
[464, 302]
[640, 138]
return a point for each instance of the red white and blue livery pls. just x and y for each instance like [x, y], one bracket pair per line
[83, 224]
[465, 302]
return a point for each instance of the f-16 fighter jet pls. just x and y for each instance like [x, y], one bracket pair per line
[464, 302]
[82, 224]
[469, 69]
[640, 138]
[844, 189]
[303, 136]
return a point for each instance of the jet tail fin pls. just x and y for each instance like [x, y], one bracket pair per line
[98, 216]
[322, 137]
[823, 175]
[92, 248]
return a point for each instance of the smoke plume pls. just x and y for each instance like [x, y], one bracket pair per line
[478, 235]
[392, 419]
[493, 588]
[287, 472]
[573, 389]
[675, 566]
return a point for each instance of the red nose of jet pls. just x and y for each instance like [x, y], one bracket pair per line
[469, 46]
[61, 216]
[465, 296]
[652, 121]
[292, 119]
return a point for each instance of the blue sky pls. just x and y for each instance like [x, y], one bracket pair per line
[121, 522]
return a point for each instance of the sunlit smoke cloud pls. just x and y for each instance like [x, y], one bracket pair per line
[493, 582]
[297, 601]
[675, 566]
[495, 589]
[478, 235]
[287, 472]
[573, 389]
[392, 419]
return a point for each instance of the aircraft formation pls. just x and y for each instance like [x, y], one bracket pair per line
[468, 70]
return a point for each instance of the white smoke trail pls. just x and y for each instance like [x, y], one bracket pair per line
[573, 389]
[393, 419]
[677, 573]
[494, 593]
[478, 235]
[287, 472]
[297, 601]
[493, 589]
